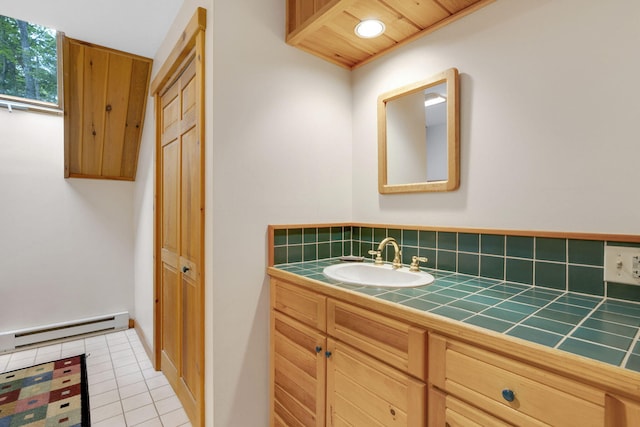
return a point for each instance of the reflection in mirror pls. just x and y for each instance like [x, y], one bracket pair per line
[418, 136]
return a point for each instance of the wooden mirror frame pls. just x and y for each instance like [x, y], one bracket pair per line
[450, 77]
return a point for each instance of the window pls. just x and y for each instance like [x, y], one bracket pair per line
[28, 65]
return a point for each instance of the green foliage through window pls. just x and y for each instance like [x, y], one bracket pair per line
[28, 61]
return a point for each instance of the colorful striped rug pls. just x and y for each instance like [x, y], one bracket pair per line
[50, 394]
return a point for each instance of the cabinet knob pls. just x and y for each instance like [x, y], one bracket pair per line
[185, 269]
[318, 349]
[327, 354]
[508, 395]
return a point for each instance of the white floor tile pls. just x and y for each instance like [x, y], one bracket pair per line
[145, 364]
[4, 359]
[101, 367]
[133, 389]
[96, 358]
[122, 359]
[19, 364]
[167, 405]
[101, 377]
[163, 392]
[55, 348]
[156, 382]
[140, 415]
[137, 401]
[103, 386]
[111, 422]
[114, 348]
[105, 412]
[26, 354]
[98, 400]
[128, 379]
[121, 371]
[73, 344]
[153, 422]
[175, 418]
[151, 373]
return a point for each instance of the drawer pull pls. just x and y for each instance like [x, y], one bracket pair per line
[318, 349]
[327, 354]
[508, 395]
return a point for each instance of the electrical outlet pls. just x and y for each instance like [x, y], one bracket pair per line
[622, 265]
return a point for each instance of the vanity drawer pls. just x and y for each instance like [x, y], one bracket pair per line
[396, 343]
[305, 306]
[514, 391]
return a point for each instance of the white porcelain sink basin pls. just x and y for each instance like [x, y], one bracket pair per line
[377, 275]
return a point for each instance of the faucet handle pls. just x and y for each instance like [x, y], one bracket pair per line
[415, 261]
[396, 261]
[378, 255]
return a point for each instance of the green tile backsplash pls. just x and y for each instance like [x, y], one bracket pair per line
[543, 262]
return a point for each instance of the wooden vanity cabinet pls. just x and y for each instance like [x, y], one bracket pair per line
[512, 391]
[344, 365]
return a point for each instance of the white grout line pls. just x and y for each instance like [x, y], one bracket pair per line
[584, 319]
[627, 356]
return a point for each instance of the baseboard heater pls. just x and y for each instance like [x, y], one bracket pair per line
[14, 340]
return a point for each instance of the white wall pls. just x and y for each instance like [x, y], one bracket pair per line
[278, 150]
[281, 154]
[65, 244]
[549, 113]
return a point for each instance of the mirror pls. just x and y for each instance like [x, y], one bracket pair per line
[418, 136]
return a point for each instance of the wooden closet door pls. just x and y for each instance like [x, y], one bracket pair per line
[181, 204]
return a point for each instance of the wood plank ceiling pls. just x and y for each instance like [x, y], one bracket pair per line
[325, 28]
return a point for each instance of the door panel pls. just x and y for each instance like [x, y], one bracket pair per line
[181, 237]
[190, 327]
[190, 203]
[170, 314]
[170, 161]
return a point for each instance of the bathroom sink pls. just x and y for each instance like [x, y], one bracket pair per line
[377, 275]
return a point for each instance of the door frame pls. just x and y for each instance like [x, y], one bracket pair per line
[191, 40]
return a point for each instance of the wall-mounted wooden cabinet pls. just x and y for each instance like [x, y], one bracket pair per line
[105, 95]
[325, 28]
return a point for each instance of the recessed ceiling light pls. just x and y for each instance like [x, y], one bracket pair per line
[369, 28]
[433, 99]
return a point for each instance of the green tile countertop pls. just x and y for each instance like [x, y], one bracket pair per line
[602, 329]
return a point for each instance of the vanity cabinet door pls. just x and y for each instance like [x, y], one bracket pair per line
[511, 390]
[447, 411]
[298, 372]
[396, 343]
[362, 391]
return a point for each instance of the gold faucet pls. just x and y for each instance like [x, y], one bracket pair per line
[378, 253]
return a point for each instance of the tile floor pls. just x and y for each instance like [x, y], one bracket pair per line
[124, 389]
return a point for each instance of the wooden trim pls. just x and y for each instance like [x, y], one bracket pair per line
[428, 30]
[270, 245]
[157, 231]
[197, 24]
[200, 105]
[190, 45]
[145, 345]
